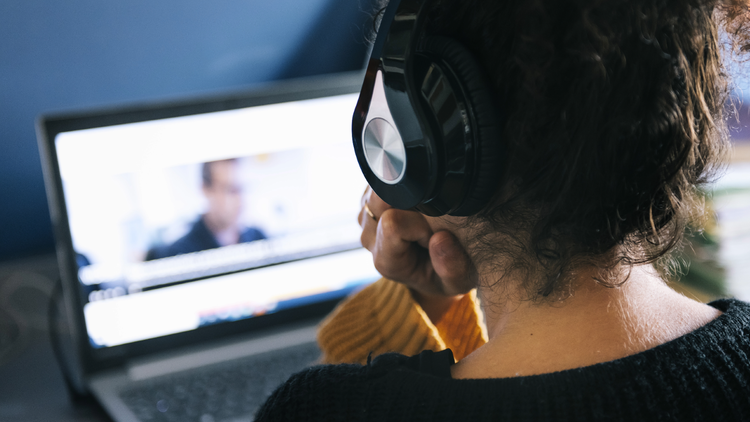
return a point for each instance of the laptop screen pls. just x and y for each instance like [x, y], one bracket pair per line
[197, 220]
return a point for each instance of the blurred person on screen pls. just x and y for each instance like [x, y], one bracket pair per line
[220, 224]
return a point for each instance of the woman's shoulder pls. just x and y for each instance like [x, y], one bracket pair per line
[307, 391]
[688, 373]
[732, 325]
[344, 391]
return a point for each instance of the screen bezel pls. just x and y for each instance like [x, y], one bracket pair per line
[49, 126]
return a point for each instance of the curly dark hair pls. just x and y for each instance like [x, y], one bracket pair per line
[615, 120]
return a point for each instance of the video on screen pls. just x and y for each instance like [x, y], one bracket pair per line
[158, 203]
[149, 228]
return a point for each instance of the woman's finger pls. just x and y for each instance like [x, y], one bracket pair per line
[451, 263]
[400, 246]
[376, 205]
[372, 208]
[369, 230]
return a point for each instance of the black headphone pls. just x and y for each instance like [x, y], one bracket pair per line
[425, 129]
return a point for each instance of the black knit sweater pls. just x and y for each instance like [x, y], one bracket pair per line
[702, 376]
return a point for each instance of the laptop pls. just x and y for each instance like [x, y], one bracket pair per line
[204, 237]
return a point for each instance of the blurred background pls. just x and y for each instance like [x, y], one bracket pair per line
[74, 54]
[81, 54]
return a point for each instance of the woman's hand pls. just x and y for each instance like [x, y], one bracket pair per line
[408, 249]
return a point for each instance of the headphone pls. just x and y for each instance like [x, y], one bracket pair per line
[425, 128]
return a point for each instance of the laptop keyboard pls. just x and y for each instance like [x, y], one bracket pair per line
[225, 392]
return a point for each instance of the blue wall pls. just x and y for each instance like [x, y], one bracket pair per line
[57, 55]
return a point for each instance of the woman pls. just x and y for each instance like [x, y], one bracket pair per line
[612, 121]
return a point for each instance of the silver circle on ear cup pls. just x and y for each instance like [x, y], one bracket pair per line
[384, 151]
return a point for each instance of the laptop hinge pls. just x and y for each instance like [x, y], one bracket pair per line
[162, 366]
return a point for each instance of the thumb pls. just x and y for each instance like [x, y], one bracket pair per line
[451, 263]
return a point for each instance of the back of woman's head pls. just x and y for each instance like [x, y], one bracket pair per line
[615, 121]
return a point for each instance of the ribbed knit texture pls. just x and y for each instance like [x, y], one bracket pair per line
[702, 376]
[384, 317]
[462, 328]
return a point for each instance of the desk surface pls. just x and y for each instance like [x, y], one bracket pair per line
[32, 389]
[31, 384]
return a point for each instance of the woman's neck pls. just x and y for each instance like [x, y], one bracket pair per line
[595, 324]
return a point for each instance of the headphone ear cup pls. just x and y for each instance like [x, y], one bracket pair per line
[489, 150]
